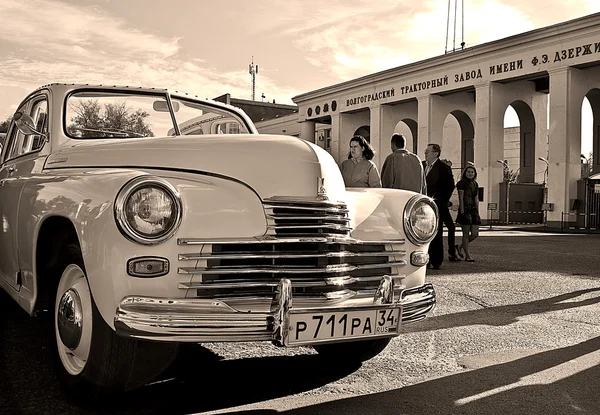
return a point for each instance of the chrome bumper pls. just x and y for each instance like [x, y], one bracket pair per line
[203, 320]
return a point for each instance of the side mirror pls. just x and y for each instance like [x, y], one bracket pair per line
[161, 106]
[25, 124]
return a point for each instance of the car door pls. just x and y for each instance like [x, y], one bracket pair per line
[19, 159]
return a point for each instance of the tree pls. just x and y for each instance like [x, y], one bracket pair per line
[4, 124]
[111, 120]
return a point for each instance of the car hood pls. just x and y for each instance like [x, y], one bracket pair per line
[274, 166]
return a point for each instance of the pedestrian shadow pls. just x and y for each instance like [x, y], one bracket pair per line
[506, 314]
[490, 390]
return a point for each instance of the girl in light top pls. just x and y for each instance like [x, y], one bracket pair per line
[359, 170]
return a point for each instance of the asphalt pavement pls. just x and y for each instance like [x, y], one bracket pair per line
[516, 332]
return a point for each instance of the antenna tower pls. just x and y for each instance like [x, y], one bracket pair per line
[462, 24]
[253, 70]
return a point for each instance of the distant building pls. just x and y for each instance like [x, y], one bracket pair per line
[258, 110]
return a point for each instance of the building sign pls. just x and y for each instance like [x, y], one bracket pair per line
[468, 76]
[370, 97]
[424, 85]
[548, 207]
[565, 54]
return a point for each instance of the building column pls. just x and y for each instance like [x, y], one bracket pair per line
[564, 143]
[423, 119]
[375, 113]
[431, 116]
[335, 136]
[307, 131]
[488, 145]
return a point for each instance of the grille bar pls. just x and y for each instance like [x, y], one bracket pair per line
[287, 270]
[306, 218]
[339, 209]
[298, 282]
[289, 240]
[293, 255]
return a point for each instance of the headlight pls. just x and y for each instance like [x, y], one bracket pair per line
[420, 220]
[148, 210]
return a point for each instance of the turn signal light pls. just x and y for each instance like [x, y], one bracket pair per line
[419, 259]
[148, 267]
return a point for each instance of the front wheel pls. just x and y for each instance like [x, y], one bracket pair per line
[90, 357]
[352, 352]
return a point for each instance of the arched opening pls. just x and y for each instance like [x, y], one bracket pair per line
[458, 140]
[365, 131]
[526, 150]
[409, 129]
[590, 133]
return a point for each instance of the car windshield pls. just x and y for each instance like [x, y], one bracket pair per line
[110, 114]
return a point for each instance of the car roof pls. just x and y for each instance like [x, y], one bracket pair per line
[65, 88]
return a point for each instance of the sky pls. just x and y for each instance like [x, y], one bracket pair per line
[204, 47]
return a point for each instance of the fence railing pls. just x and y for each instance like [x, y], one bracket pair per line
[579, 221]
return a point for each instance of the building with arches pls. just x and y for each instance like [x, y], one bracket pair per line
[544, 74]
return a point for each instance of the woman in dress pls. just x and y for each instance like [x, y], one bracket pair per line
[359, 170]
[468, 210]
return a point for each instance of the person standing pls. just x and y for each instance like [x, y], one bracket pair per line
[402, 169]
[440, 185]
[359, 170]
[468, 210]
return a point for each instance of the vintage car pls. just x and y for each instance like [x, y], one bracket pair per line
[136, 220]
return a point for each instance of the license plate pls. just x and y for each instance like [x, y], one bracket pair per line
[306, 328]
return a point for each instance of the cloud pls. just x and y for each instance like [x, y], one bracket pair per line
[57, 29]
[360, 38]
[45, 41]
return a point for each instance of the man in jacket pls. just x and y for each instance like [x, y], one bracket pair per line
[440, 185]
[402, 169]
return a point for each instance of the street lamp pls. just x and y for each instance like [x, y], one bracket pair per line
[586, 161]
[545, 207]
[506, 179]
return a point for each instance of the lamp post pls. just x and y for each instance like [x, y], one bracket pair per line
[586, 164]
[506, 179]
[545, 207]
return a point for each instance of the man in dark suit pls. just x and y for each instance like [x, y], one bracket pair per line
[440, 185]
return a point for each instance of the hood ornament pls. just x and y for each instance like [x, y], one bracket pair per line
[321, 190]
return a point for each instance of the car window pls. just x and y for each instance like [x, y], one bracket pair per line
[198, 118]
[29, 143]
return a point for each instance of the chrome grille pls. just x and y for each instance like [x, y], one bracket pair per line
[321, 269]
[294, 218]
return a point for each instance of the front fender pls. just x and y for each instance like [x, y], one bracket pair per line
[378, 214]
[212, 208]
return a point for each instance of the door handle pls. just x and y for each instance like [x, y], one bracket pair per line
[11, 169]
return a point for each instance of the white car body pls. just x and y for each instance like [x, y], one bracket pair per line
[233, 190]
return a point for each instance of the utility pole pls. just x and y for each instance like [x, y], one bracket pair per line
[253, 70]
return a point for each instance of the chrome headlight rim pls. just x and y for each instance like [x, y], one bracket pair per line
[410, 232]
[130, 188]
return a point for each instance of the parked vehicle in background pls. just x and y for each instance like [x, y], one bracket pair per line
[143, 219]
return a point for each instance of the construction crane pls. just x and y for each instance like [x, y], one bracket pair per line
[253, 70]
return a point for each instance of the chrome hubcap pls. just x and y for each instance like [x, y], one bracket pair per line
[73, 319]
[70, 319]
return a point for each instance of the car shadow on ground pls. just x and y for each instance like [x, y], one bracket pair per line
[488, 390]
[198, 381]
